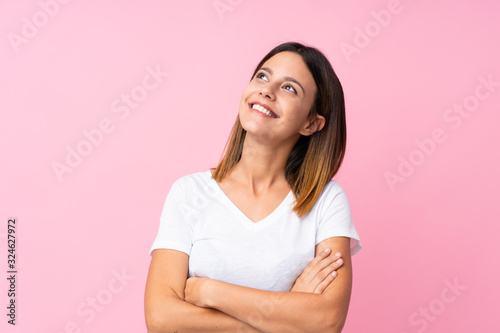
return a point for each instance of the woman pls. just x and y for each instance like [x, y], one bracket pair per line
[264, 241]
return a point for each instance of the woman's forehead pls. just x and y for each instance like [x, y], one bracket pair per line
[290, 64]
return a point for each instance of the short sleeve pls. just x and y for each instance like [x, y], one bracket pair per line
[335, 217]
[174, 232]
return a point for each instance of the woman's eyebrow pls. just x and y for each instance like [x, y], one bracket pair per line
[287, 78]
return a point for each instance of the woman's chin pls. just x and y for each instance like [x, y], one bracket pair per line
[260, 134]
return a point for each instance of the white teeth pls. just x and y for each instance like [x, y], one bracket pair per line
[262, 109]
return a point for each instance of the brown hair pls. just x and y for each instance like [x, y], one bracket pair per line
[314, 159]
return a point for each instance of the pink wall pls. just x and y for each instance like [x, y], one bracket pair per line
[422, 86]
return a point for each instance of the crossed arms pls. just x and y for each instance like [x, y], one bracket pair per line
[318, 301]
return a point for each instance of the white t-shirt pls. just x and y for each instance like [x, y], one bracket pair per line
[224, 244]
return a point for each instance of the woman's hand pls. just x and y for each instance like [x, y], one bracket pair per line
[319, 273]
[196, 291]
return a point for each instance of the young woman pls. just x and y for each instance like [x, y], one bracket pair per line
[262, 242]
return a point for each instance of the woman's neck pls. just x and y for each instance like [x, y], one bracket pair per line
[262, 166]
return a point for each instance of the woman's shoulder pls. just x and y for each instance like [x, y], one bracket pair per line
[193, 180]
[333, 194]
[332, 189]
[193, 176]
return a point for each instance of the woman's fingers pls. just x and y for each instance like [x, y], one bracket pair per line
[325, 283]
[313, 264]
[317, 274]
[330, 260]
[326, 276]
[321, 262]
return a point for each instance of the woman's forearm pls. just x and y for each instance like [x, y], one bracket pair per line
[179, 316]
[276, 311]
[165, 306]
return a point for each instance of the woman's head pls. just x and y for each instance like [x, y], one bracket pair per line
[276, 105]
[318, 149]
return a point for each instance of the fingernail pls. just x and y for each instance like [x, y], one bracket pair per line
[338, 254]
[340, 261]
[334, 273]
[326, 250]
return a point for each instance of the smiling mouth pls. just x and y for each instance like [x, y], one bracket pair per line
[263, 110]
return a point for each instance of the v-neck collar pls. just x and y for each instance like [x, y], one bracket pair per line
[241, 216]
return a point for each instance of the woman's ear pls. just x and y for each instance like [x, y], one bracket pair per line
[314, 124]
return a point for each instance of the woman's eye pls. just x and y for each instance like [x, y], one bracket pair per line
[290, 88]
[261, 76]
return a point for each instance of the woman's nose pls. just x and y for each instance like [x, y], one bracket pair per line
[267, 91]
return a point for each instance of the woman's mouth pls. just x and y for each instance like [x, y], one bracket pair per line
[263, 110]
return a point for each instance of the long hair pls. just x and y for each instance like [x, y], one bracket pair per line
[315, 159]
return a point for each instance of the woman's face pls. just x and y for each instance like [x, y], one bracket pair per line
[276, 103]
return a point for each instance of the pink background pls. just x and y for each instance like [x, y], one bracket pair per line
[63, 73]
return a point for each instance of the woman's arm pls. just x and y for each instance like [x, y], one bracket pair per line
[164, 305]
[283, 311]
